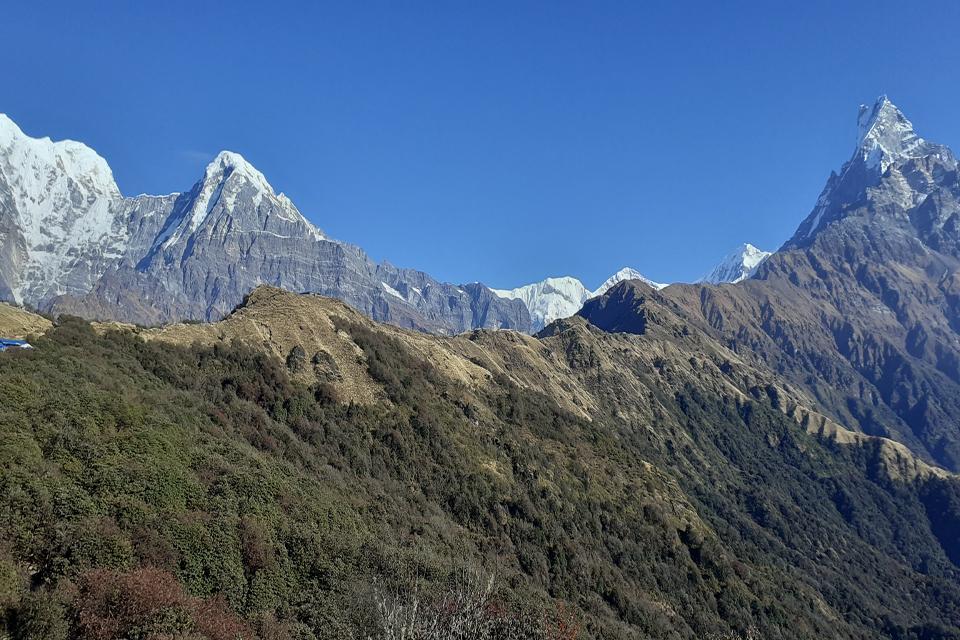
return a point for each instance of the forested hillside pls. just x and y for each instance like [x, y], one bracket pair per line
[297, 471]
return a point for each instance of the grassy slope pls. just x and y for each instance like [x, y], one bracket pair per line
[18, 323]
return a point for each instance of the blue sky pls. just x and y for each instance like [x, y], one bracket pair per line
[495, 141]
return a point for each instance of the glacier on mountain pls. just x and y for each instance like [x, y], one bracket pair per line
[549, 299]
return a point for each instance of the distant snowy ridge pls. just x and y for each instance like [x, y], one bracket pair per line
[555, 298]
[625, 274]
[549, 299]
[739, 264]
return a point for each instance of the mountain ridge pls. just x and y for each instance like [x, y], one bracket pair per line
[149, 245]
[861, 307]
[72, 243]
[561, 297]
[556, 298]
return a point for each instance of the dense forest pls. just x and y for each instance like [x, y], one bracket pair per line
[149, 490]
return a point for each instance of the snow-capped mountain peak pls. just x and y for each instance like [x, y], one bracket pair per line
[626, 273]
[739, 264]
[885, 141]
[35, 159]
[885, 136]
[237, 188]
[230, 163]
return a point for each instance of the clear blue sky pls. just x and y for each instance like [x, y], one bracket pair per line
[500, 142]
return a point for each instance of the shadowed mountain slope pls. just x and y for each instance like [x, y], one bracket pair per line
[861, 308]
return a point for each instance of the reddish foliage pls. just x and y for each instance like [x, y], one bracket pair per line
[566, 624]
[255, 545]
[112, 603]
[495, 610]
[219, 417]
[153, 549]
[213, 619]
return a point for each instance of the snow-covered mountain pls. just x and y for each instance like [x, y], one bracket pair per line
[886, 137]
[226, 182]
[71, 242]
[626, 274]
[58, 219]
[555, 298]
[549, 299]
[739, 264]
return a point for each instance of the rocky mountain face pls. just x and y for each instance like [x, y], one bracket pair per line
[739, 264]
[71, 243]
[861, 308]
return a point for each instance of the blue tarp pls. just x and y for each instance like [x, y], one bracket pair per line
[12, 343]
